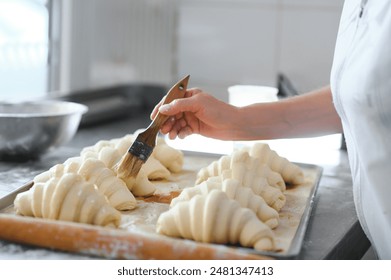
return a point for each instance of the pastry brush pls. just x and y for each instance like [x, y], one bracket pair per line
[142, 147]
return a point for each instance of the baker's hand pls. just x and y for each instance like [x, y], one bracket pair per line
[197, 113]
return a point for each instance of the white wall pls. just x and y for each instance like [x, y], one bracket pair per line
[218, 42]
[225, 42]
[113, 42]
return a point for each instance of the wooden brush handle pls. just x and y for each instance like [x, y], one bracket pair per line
[176, 92]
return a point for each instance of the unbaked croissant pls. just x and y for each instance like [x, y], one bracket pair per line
[244, 169]
[109, 155]
[215, 168]
[155, 170]
[158, 166]
[262, 170]
[226, 163]
[232, 188]
[96, 172]
[288, 170]
[67, 198]
[163, 159]
[111, 152]
[215, 218]
[123, 144]
[250, 173]
[141, 185]
[108, 183]
[151, 170]
[120, 144]
[171, 158]
[272, 196]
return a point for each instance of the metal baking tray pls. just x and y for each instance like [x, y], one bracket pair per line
[296, 242]
[298, 238]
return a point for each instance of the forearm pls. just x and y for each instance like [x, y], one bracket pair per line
[311, 114]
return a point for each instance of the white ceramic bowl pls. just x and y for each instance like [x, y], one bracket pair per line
[27, 130]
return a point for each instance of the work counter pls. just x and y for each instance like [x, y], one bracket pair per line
[333, 230]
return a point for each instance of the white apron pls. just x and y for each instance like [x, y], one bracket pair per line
[361, 86]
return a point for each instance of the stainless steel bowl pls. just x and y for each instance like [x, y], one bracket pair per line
[27, 130]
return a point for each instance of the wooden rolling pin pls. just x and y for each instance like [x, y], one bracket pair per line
[110, 243]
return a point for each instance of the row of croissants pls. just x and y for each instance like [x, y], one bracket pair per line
[234, 200]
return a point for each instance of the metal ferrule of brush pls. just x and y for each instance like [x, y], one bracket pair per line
[141, 150]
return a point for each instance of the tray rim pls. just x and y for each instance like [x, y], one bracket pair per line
[297, 241]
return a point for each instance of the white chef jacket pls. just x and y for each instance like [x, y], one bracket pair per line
[361, 87]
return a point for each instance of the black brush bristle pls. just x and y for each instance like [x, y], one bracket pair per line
[137, 155]
[140, 150]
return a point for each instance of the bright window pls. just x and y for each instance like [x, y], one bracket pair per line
[23, 49]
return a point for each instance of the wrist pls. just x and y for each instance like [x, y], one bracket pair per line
[262, 121]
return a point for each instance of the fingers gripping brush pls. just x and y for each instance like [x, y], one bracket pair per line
[142, 147]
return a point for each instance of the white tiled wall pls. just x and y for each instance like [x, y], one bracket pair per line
[218, 42]
[225, 42]
[118, 41]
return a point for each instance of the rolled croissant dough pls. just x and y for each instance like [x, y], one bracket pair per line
[144, 218]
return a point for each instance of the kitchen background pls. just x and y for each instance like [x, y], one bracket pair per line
[219, 42]
[51, 46]
[55, 46]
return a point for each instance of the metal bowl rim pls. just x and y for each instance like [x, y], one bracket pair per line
[76, 108]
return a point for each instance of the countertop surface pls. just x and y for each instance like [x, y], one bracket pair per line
[333, 230]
